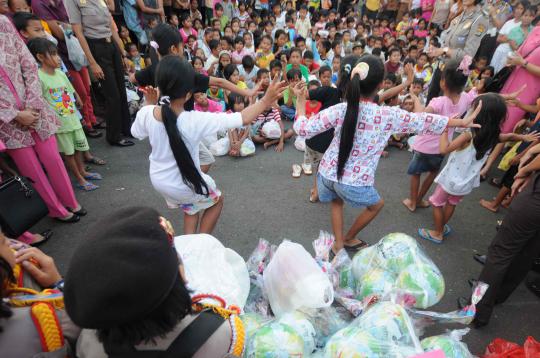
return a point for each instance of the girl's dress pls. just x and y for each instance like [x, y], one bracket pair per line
[185, 34]
[461, 174]
[164, 173]
[520, 76]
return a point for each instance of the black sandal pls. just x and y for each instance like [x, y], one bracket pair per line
[355, 248]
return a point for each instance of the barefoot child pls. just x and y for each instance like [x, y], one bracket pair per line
[59, 94]
[175, 135]
[270, 114]
[426, 157]
[469, 151]
[347, 170]
[240, 141]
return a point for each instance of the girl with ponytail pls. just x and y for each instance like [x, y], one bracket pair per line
[175, 136]
[362, 128]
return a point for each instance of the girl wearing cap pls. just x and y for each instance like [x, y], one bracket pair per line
[347, 170]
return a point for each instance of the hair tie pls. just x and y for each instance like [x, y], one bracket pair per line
[165, 100]
[347, 68]
[154, 45]
[465, 65]
[361, 69]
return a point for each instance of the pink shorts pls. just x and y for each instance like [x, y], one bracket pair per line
[440, 198]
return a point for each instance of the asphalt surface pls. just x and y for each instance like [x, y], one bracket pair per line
[263, 201]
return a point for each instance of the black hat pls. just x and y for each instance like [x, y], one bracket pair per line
[122, 271]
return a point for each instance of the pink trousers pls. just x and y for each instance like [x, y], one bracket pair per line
[81, 82]
[54, 187]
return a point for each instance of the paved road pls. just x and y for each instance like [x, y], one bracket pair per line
[262, 200]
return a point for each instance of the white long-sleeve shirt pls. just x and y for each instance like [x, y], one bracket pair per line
[193, 127]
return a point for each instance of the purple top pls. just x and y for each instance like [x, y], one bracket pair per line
[48, 10]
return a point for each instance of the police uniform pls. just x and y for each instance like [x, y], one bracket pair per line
[462, 37]
[95, 20]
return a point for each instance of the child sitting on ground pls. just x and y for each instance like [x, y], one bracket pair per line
[231, 74]
[135, 60]
[270, 114]
[288, 109]
[59, 94]
[248, 71]
[203, 104]
[240, 143]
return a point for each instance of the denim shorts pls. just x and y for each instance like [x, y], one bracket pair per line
[422, 163]
[355, 196]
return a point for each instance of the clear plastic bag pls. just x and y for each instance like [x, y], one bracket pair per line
[300, 143]
[293, 280]
[75, 52]
[247, 148]
[449, 343]
[220, 147]
[271, 130]
[275, 340]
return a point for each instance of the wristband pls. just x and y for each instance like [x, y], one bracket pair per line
[59, 285]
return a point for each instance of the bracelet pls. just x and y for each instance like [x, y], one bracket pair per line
[59, 285]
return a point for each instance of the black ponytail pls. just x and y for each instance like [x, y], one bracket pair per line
[175, 78]
[491, 116]
[355, 89]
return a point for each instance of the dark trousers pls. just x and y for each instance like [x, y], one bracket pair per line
[512, 251]
[113, 88]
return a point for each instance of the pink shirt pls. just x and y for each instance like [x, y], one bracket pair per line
[213, 106]
[426, 14]
[238, 56]
[375, 125]
[185, 34]
[429, 143]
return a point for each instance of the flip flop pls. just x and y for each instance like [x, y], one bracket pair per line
[93, 176]
[447, 230]
[87, 187]
[296, 171]
[308, 170]
[95, 161]
[424, 234]
[355, 248]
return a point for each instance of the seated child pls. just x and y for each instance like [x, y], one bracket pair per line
[271, 114]
[240, 141]
[313, 106]
[248, 71]
[231, 74]
[203, 104]
[135, 60]
[288, 109]
[295, 61]
[59, 94]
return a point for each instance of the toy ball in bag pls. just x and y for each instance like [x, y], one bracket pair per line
[363, 261]
[300, 323]
[451, 347]
[375, 282]
[387, 321]
[271, 130]
[424, 282]
[275, 340]
[352, 342]
[397, 251]
[252, 322]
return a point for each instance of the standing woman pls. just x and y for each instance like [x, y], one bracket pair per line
[28, 125]
[462, 38]
[54, 14]
[527, 72]
[440, 13]
[92, 24]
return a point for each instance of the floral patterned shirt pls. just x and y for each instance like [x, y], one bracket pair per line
[375, 125]
[22, 70]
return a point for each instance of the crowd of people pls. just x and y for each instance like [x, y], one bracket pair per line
[344, 80]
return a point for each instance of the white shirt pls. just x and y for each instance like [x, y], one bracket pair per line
[193, 126]
[209, 61]
[498, 61]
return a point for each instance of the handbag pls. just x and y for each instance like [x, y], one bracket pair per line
[21, 207]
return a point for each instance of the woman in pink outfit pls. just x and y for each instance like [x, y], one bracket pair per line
[527, 72]
[28, 125]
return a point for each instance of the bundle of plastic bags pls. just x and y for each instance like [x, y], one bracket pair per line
[397, 263]
[449, 343]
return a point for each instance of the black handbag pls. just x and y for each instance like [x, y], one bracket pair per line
[21, 207]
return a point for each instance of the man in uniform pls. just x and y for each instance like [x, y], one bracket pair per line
[497, 13]
[462, 37]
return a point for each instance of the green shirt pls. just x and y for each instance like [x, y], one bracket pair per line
[517, 34]
[303, 69]
[286, 95]
[59, 94]
[223, 21]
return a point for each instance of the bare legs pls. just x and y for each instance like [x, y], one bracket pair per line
[495, 203]
[209, 219]
[362, 220]
[416, 198]
[76, 166]
[491, 159]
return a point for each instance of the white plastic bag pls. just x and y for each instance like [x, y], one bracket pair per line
[220, 147]
[247, 148]
[271, 130]
[212, 268]
[293, 280]
[300, 143]
[75, 52]
[451, 344]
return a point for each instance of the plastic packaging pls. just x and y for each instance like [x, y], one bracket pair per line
[212, 268]
[300, 143]
[397, 263]
[220, 147]
[275, 340]
[293, 280]
[252, 322]
[257, 301]
[271, 130]
[247, 148]
[450, 344]
[301, 324]
[384, 330]
[500, 348]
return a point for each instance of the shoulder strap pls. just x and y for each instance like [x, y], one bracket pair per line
[185, 345]
[48, 327]
[7, 80]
